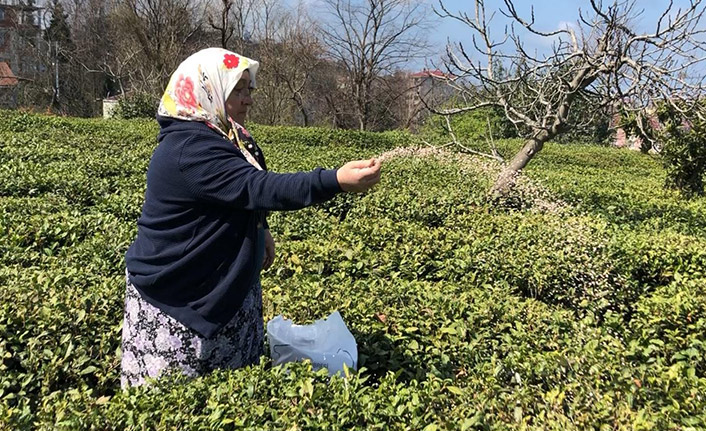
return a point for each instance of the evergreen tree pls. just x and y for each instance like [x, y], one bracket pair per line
[59, 31]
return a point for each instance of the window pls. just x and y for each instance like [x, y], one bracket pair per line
[2, 14]
[30, 18]
[2, 38]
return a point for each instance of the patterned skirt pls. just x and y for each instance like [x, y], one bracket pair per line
[154, 342]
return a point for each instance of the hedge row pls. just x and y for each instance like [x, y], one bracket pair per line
[583, 310]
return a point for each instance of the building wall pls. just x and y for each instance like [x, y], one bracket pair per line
[433, 89]
[8, 97]
[19, 30]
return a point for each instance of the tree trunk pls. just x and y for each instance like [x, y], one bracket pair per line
[362, 118]
[506, 180]
[300, 104]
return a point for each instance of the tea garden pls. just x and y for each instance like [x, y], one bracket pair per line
[580, 306]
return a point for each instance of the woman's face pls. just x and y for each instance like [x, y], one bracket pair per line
[239, 99]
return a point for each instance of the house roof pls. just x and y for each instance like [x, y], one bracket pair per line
[16, 4]
[436, 73]
[7, 78]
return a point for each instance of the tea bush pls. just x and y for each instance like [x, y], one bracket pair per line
[685, 157]
[583, 309]
[470, 126]
[137, 105]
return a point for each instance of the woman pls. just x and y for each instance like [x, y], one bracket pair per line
[193, 300]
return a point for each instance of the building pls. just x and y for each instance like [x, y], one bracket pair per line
[8, 86]
[20, 36]
[110, 105]
[623, 139]
[430, 85]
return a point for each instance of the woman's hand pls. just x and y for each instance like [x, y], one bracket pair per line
[359, 175]
[269, 250]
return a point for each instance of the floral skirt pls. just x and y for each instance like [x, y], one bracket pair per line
[154, 342]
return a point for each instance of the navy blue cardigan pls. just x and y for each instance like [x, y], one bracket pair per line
[195, 252]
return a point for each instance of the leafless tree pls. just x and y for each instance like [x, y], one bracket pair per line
[291, 54]
[272, 100]
[120, 45]
[219, 20]
[372, 38]
[302, 55]
[88, 78]
[157, 35]
[601, 58]
[232, 19]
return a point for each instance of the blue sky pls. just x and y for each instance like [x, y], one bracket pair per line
[549, 15]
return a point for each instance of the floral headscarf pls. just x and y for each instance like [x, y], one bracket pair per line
[198, 89]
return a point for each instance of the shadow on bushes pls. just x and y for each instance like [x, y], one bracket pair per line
[379, 355]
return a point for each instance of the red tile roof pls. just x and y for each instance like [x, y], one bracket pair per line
[436, 73]
[7, 78]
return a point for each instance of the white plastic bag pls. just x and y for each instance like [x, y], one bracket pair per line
[327, 343]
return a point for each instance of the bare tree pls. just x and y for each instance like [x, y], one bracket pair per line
[272, 101]
[124, 45]
[303, 55]
[371, 38]
[602, 59]
[84, 83]
[288, 47]
[232, 20]
[219, 20]
[156, 35]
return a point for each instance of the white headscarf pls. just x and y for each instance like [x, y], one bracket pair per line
[198, 89]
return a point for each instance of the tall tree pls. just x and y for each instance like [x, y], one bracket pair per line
[91, 26]
[58, 35]
[372, 38]
[232, 20]
[292, 54]
[219, 20]
[59, 30]
[153, 37]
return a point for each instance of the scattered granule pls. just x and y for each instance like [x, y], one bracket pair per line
[537, 197]
[540, 198]
[409, 152]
